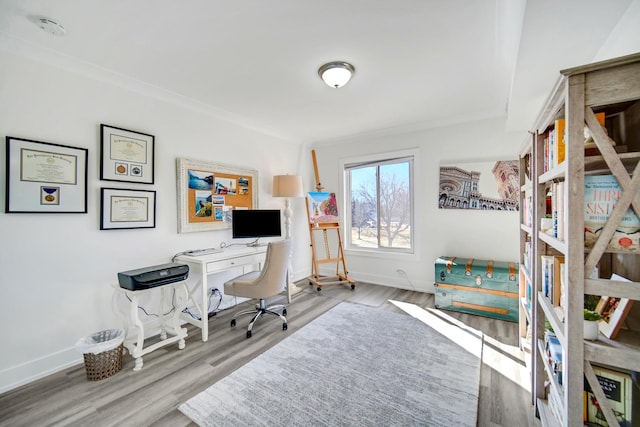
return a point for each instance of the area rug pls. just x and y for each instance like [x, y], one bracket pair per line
[352, 366]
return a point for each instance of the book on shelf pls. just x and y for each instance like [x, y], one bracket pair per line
[601, 194]
[526, 256]
[554, 145]
[553, 350]
[555, 150]
[556, 284]
[589, 143]
[557, 209]
[551, 269]
[623, 395]
[546, 274]
[527, 211]
[563, 286]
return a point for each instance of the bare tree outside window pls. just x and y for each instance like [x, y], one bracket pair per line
[381, 205]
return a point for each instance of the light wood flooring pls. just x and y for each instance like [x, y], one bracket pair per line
[171, 376]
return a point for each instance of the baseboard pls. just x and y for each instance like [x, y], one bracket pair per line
[400, 281]
[36, 369]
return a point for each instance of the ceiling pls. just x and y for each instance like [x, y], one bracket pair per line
[419, 63]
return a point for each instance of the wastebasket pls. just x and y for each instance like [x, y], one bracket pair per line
[102, 353]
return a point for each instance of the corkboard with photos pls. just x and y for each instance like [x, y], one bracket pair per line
[208, 192]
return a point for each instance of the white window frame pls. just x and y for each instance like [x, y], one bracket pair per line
[345, 185]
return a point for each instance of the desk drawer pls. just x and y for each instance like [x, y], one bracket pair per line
[225, 264]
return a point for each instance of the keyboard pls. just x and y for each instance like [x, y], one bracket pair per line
[200, 252]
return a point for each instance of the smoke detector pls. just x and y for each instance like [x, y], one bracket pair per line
[50, 26]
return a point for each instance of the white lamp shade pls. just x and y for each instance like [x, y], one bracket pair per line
[287, 186]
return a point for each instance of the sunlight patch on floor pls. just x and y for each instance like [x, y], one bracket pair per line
[503, 358]
[467, 338]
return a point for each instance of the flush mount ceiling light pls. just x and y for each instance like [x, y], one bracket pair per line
[336, 74]
[49, 26]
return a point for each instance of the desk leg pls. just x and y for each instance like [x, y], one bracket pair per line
[292, 288]
[163, 301]
[134, 321]
[181, 303]
[205, 303]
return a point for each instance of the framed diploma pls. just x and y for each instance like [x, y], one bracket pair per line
[45, 178]
[120, 209]
[126, 155]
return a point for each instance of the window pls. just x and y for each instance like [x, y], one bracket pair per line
[380, 194]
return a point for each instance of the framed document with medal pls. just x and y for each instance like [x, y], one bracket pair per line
[126, 155]
[43, 177]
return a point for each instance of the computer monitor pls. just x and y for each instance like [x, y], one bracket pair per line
[255, 223]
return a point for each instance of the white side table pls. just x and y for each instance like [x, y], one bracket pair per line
[169, 318]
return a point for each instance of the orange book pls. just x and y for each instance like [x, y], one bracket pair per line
[560, 146]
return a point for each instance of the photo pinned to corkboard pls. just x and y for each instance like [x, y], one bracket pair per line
[208, 192]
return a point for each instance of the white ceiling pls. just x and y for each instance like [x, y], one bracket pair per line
[419, 63]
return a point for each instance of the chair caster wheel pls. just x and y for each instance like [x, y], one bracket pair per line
[233, 322]
[353, 287]
[319, 289]
[248, 334]
[284, 311]
[284, 327]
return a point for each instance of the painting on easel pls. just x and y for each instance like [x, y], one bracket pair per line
[322, 207]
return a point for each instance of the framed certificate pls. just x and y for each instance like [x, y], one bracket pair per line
[126, 155]
[123, 209]
[45, 178]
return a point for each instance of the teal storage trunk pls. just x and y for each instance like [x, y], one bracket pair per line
[483, 287]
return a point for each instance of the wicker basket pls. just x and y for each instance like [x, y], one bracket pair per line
[103, 365]
[107, 363]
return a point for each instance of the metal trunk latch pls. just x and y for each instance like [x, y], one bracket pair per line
[478, 280]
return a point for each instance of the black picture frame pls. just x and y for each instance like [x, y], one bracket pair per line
[122, 208]
[126, 155]
[44, 177]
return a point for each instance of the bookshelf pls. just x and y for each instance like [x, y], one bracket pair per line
[527, 226]
[597, 108]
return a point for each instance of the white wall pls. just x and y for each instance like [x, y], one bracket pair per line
[474, 234]
[56, 270]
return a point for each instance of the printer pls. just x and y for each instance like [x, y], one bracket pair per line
[150, 277]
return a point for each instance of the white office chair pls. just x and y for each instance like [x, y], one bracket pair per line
[270, 281]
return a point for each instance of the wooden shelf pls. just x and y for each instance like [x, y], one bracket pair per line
[552, 317]
[525, 308]
[558, 245]
[554, 384]
[624, 351]
[546, 416]
[559, 171]
[596, 165]
[611, 87]
[612, 288]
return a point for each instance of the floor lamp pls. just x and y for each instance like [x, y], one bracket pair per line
[288, 186]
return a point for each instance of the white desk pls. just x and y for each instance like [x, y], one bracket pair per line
[249, 258]
[169, 319]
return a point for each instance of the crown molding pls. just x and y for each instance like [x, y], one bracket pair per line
[23, 48]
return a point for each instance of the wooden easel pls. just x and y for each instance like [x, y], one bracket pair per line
[324, 228]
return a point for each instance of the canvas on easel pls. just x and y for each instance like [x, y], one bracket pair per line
[322, 207]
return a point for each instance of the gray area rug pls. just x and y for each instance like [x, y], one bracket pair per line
[352, 366]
